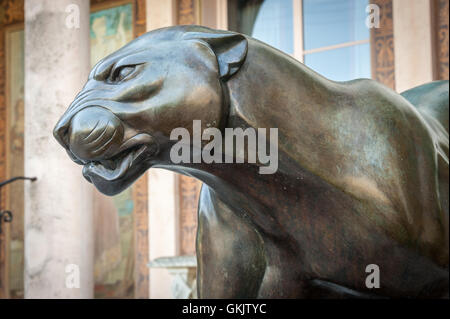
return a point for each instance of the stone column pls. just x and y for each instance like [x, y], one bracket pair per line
[58, 206]
[163, 227]
[413, 43]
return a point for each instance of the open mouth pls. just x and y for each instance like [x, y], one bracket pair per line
[117, 166]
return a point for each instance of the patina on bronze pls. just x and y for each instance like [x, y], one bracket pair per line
[362, 177]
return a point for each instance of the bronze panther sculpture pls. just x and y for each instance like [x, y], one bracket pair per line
[362, 176]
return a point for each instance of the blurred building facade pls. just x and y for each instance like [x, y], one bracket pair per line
[156, 217]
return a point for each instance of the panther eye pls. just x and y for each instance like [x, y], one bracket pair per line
[121, 73]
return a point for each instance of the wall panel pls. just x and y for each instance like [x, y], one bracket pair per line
[189, 188]
[11, 14]
[441, 37]
[382, 46]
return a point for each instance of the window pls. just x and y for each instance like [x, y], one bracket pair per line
[336, 41]
[270, 21]
[329, 36]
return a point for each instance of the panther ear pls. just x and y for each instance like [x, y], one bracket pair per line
[229, 48]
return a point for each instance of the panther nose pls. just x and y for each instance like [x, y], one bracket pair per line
[93, 133]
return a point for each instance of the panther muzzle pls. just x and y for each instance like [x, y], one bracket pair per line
[97, 139]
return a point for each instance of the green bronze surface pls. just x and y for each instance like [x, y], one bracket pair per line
[362, 175]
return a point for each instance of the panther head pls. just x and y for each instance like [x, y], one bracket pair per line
[119, 125]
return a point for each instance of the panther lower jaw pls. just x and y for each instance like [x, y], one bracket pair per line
[114, 170]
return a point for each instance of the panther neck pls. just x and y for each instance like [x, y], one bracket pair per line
[272, 89]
